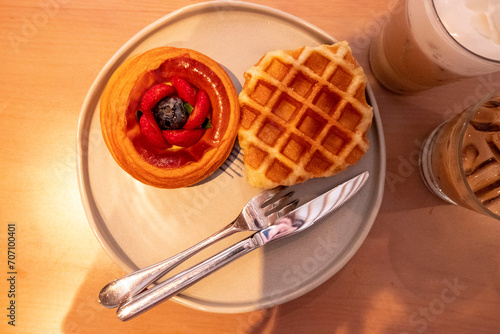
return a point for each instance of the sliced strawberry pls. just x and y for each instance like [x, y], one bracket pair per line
[200, 111]
[184, 90]
[152, 131]
[183, 138]
[154, 94]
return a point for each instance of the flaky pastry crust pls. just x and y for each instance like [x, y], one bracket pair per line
[174, 167]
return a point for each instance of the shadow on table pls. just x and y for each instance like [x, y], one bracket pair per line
[302, 314]
[403, 267]
[88, 316]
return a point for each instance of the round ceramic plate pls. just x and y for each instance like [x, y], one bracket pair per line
[139, 225]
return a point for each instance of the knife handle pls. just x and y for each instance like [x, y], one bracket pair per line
[174, 285]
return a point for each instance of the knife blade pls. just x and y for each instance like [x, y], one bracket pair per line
[308, 214]
[294, 222]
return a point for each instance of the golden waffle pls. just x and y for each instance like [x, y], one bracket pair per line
[303, 114]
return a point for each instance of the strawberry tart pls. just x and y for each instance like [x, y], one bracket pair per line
[169, 116]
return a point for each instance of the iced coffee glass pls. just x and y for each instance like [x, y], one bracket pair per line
[460, 159]
[428, 43]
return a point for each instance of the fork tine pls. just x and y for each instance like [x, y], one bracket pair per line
[283, 211]
[267, 196]
[275, 202]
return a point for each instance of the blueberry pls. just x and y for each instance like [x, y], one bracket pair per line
[170, 113]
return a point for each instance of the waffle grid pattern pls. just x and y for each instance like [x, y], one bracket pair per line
[304, 114]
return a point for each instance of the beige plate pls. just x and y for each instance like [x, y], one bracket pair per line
[139, 225]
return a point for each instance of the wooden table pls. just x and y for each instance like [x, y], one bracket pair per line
[425, 267]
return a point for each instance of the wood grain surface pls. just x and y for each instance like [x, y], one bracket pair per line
[425, 267]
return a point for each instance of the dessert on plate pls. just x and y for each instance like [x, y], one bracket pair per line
[169, 116]
[304, 114]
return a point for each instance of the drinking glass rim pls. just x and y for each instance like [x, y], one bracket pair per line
[472, 111]
[443, 26]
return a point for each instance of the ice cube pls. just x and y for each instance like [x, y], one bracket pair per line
[486, 119]
[469, 156]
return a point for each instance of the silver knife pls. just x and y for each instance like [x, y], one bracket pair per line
[290, 224]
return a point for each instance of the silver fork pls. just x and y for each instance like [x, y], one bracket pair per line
[260, 212]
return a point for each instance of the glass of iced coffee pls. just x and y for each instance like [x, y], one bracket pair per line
[460, 159]
[428, 43]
